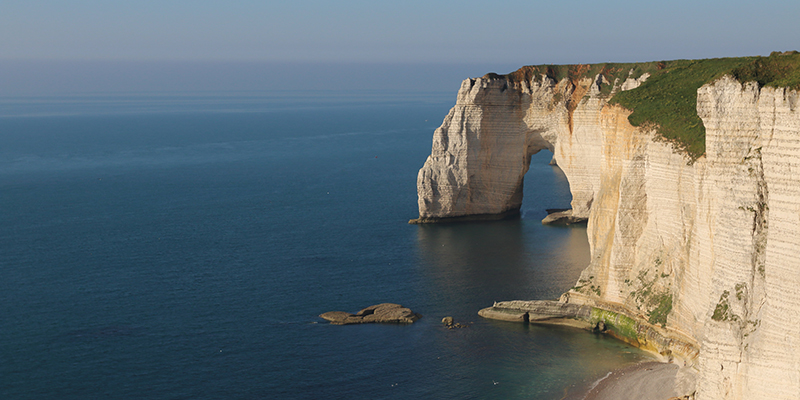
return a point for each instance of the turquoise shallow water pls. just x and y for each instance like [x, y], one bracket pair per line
[182, 246]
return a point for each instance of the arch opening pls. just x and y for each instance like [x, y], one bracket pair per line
[546, 191]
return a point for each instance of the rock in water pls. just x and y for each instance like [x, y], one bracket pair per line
[562, 217]
[449, 323]
[382, 313]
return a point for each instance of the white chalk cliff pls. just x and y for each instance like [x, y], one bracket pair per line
[712, 245]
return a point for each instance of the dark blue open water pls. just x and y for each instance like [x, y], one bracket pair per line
[181, 247]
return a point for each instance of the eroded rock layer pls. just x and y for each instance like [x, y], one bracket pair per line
[707, 249]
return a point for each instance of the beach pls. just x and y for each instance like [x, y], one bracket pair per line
[649, 380]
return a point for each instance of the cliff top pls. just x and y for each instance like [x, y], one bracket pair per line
[668, 99]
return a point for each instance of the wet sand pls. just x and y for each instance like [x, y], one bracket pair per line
[645, 381]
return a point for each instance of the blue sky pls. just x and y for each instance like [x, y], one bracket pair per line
[402, 37]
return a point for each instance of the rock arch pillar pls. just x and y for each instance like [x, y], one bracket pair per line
[480, 155]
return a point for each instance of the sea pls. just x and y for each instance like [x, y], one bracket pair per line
[182, 246]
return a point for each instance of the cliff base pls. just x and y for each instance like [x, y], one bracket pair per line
[603, 317]
[510, 214]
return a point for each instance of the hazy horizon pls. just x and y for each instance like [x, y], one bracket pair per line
[38, 77]
[90, 46]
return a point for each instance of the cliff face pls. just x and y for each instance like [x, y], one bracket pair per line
[708, 249]
[752, 336]
[482, 151]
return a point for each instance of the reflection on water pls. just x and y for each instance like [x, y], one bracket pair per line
[507, 260]
[475, 257]
[484, 262]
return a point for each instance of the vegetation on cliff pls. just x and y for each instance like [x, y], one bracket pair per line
[668, 98]
[622, 326]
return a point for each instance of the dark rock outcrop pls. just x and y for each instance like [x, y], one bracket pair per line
[380, 313]
[449, 323]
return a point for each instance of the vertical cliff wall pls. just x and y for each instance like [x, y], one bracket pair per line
[751, 333]
[707, 248]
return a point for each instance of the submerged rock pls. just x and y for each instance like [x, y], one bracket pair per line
[379, 313]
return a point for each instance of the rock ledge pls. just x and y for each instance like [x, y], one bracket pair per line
[562, 217]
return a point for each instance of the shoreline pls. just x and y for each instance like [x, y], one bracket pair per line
[647, 380]
[669, 375]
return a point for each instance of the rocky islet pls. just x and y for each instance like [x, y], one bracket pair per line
[387, 313]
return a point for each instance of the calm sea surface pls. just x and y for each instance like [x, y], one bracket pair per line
[182, 246]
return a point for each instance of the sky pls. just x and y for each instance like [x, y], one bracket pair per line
[97, 45]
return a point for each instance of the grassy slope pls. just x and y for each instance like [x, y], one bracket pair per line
[668, 99]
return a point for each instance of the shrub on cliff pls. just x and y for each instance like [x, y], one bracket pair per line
[667, 100]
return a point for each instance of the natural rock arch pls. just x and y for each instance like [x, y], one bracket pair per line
[482, 150]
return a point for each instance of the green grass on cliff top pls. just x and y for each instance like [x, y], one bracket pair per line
[668, 98]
